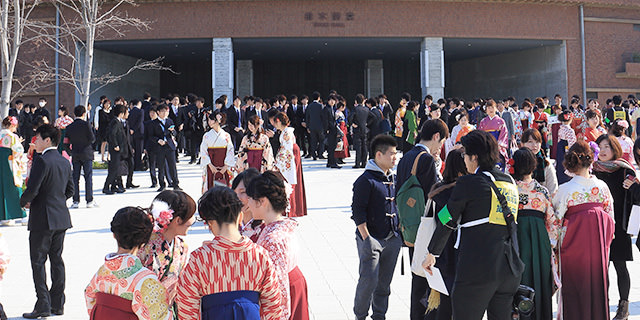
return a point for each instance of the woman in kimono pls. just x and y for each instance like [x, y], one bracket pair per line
[166, 252]
[255, 149]
[460, 130]
[268, 202]
[289, 164]
[4, 262]
[215, 280]
[496, 126]
[61, 123]
[123, 288]
[537, 233]
[565, 139]
[525, 115]
[249, 227]
[618, 129]
[594, 127]
[411, 123]
[341, 121]
[541, 122]
[216, 152]
[12, 166]
[613, 168]
[585, 207]
[545, 173]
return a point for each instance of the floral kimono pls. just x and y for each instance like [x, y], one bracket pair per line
[497, 127]
[166, 259]
[124, 276]
[285, 161]
[255, 152]
[13, 165]
[217, 149]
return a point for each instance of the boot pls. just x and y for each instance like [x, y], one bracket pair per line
[623, 310]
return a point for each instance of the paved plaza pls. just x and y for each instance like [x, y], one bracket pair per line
[328, 255]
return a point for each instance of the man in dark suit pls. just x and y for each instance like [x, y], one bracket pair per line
[236, 122]
[162, 137]
[176, 116]
[149, 148]
[17, 109]
[146, 105]
[332, 132]
[316, 126]
[81, 138]
[360, 120]
[50, 185]
[258, 110]
[119, 149]
[198, 128]
[136, 125]
[186, 125]
[301, 130]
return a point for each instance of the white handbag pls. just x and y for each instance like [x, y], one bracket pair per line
[423, 237]
[634, 221]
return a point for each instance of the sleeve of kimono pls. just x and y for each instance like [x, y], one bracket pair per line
[560, 205]
[552, 223]
[270, 298]
[189, 293]
[608, 200]
[150, 300]
[503, 138]
[278, 252]
[230, 158]
[243, 146]
[90, 293]
[267, 154]
[453, 210]
[413, 126]
[286, 165]
[204, 153]
[550, 179]
[145, 256]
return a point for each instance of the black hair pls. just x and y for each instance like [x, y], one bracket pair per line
[483, 145]
[220, 204]
[271, 186]
[64, 110]
[49, 131]
[131, 227]
[454, 166]
[524, 163]
[617, 100]
[371, 102]
[79, 110]
[359, 98]
[434, 107]
[292, 97]
[42, 99]
[213, 116]
[245, 177]
[382, 143]
[412, 105]
[315, 95]
[38, 122]
[616, 129]
[579, 156]
[118, 109]
[433, 126]
[565, 116]
[134, 102]
[18, 102]
[182, 204]
[428, 97]
[406, 96]
[304, 96]
[146, 96]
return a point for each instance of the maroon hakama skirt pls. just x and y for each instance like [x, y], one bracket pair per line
[217, 156]
[298, 199]
[298, 295]
[254, 158]
[584, 258]
[554, 139]
[344, 153]
[109, 306]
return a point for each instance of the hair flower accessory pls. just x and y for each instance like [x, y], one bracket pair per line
[162, 215]
[595, 148]
[623, 123]
[13, 120]
[511, 163]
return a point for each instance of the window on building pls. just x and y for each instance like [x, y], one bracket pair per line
[592, 95]
[636, 27]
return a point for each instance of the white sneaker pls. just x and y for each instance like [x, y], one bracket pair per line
[75, 205]
[25, 221]
[92, 204]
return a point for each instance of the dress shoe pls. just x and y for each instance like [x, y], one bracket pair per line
[160, 189]
[57, 312]
[177, 160]
[321, 157]
[105, 191]
[177, 188]
[119, 190]
[198, 161]
[132, 186]
[356, 167]
[314, 158]
[340, 161]
[75, 205]
[307, 156]
[192, 161]
[153, 186]
[335, 166]
[36, 314]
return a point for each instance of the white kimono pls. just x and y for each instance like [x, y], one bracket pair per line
[285, 161]
[213, 139]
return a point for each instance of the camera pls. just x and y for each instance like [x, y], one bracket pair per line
[523, 302]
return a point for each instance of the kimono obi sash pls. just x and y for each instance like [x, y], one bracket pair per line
[240, 305]
[495, 133]
[530, 213]
[254, 158]
[217, 155]
[109, 306]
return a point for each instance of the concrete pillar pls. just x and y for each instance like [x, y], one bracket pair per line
[432, 68]
[374, 78]
[222, 65]
[244, 78]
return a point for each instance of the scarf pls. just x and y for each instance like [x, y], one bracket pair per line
[612, 166]
[538, 173]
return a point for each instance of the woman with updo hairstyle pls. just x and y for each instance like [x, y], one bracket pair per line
[216, 153]
[496, 126]
[537, 232]
[563, 140]
[255, 149]
[593, 128]
[123, 288]
[584, 205]
[488, 268]
[289, 164]
[166, 252]
[545, 172]
[249, 227]
[618, 129]
[13, 165]
[268, 201]
[228, 277]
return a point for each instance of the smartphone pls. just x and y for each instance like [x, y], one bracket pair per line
[631, 177]
[171, 127]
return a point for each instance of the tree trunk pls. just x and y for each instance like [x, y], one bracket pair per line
[88, 66]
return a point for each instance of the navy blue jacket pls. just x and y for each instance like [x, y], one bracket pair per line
[426, 172]
[374, 202]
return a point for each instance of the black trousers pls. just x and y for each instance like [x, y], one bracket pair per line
[112, 172]
[87, 169]
[470, 299]
[138, 147]
[301, 137]
[360, 145]
[130, 163]
[332, 142]
[43, 244]
[187, 142]
[167, 162]
[196, 141]
[316, 143]
[419, 289]
[152, 156]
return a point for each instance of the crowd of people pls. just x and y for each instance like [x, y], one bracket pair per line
[520, 197]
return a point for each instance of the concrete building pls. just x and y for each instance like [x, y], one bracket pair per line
[467, 49]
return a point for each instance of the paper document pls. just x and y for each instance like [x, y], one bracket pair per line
[436, 282]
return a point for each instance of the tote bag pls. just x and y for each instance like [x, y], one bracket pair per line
[423, 237]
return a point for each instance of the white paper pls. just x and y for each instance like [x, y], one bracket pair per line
[436, 282]
[634, 221]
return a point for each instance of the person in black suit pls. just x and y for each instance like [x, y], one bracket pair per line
[258, 110]
[186, 126]
[17, 109]
[197, 129]
[162, 135]
[81, 138]
[148, 145]
[315, 126]
[332, 132]
[146, 105]
[361, 119]
[50, 185]
[301, 130]
[129, 159]
[136, 116]
[119, 149]
[176, 116]
[236, 122]
[41, 110]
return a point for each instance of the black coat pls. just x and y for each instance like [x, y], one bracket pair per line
[373, 203]
[146, 105]
[119, 137]
[263, 115]
[314, 117]
[620, 249]
[363, 118]
[42, 112]
[156, 133]
[136, 119]
[294, 121]
[50, 185]
[176, 117]
[81, 138]
[330, 121]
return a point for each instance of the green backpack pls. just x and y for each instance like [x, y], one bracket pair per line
[411, 204]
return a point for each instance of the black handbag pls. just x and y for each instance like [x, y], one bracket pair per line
[123, 169]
